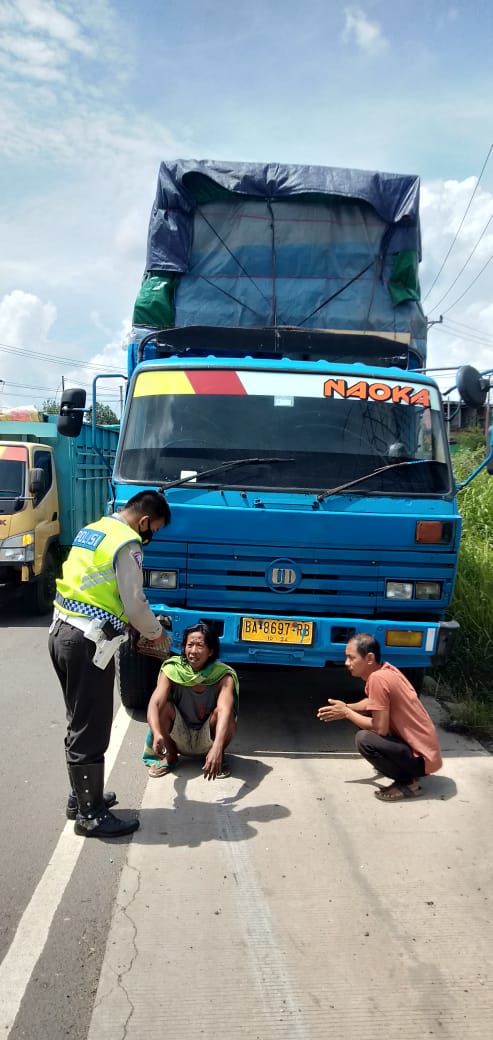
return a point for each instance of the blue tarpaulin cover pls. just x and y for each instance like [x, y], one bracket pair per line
[310, 246]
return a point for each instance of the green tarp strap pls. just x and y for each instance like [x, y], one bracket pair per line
[155, 304]
[404, 281]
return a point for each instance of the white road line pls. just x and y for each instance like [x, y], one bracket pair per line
[34, 926]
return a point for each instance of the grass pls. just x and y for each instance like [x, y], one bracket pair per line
[466, 682]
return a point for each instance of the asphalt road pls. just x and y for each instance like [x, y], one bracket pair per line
[284, 901]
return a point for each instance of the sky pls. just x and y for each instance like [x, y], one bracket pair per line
[94, 95]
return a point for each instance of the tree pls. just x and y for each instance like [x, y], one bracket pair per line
[105, 415]
[50, 406]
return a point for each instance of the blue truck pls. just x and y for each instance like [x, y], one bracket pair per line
[277, 394]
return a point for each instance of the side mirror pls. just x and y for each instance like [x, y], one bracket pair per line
[36, 482]
[72, 408]
[473, 388]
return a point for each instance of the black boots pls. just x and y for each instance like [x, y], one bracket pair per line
[109, 799]
[93, 820]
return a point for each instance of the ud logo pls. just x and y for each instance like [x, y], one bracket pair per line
[283, 575]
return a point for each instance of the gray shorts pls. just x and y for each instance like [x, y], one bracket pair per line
[191, 741]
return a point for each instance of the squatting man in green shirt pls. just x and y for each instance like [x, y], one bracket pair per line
[99, 594]
[194, 707]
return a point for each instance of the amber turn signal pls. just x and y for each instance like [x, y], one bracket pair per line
[430, 532]
[403, 637]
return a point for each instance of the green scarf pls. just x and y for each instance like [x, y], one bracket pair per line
[181, 672]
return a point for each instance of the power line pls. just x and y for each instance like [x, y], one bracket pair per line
[42, 397]
[469, 339]
[459, 298]
[50, 390]
[471, 254]
[7, 348]
[467, 327]
[473, 337]
[460, 225]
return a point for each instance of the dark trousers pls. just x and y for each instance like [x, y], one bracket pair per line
[391, 756]
[87, 691]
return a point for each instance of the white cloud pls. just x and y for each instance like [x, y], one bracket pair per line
[30, 49]
[25, 324]
[43, 17]
[111, 358]
[29, 70]
[367, 35]
[465, 336]
[25, 319]
[43, 38]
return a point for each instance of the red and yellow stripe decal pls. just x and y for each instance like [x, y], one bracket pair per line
[208, 381]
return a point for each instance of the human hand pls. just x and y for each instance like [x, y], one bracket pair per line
[160, 640]
[158, 745]
[334, 711]
[212, 764]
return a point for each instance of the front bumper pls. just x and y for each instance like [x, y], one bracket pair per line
[329, 638]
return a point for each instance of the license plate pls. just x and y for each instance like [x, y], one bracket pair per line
[276, 630]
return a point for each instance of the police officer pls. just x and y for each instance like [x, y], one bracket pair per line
[101, 590]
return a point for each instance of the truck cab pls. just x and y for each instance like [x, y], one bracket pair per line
[310, 499]
[50, 486]
[29, 511]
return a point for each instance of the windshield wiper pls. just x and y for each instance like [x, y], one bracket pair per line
[366, 476]
[195, 477]
[10, 494]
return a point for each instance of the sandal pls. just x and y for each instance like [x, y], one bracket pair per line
[398, 792]
[157, 771]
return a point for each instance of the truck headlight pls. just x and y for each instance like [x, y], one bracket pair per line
[163, 579]
[19, 548]
[428, 589]
[399, 590]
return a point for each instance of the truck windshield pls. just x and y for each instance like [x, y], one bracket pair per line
[13, 463]
[325, 430]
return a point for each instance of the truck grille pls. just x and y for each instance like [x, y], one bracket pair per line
[328, 583]
[325, 581]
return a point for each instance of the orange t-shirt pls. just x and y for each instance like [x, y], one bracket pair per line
[389, 689]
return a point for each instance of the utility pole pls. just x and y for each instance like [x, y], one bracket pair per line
[434, 321]
[121, 401]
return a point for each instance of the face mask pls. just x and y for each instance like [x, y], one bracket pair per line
[147, 534]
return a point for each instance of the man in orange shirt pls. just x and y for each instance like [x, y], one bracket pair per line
[396, 734]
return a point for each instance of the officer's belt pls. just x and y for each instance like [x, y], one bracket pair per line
[74, 606]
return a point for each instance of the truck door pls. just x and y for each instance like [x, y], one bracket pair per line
[45, 507]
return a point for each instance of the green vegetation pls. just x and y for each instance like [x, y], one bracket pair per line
[105, 415]
[467, 681]
[50, 406]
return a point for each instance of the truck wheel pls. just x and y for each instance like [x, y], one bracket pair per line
[416, 678]
[41, 593]
[136, 675]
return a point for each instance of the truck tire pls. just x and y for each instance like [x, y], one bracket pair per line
[416, 678]
[136, 675]
[41, 593]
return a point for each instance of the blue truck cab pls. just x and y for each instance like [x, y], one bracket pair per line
[309, 500]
